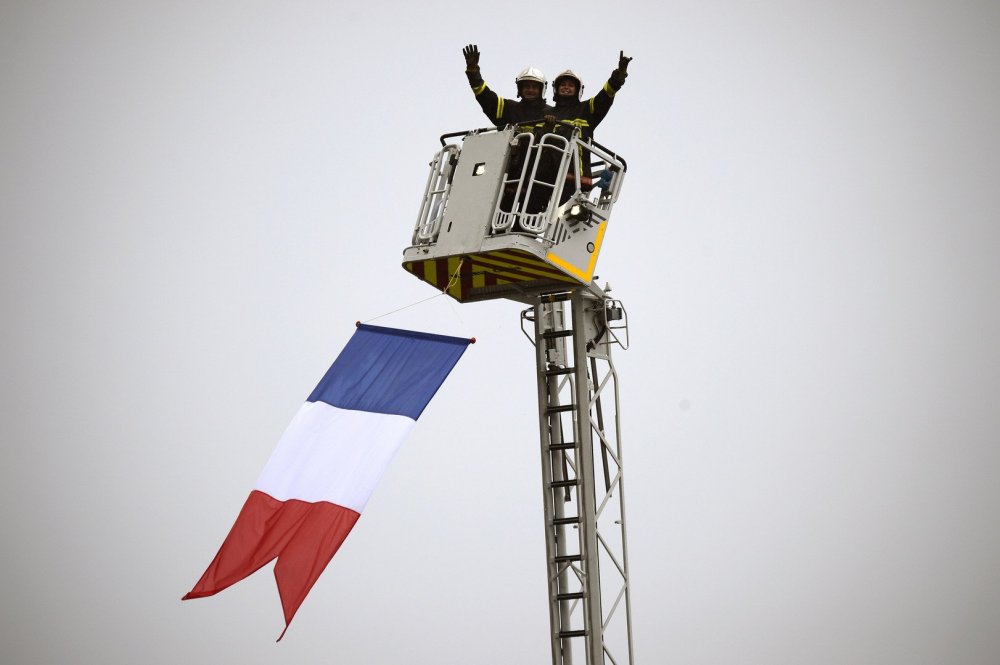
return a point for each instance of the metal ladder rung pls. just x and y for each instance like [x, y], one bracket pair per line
[571, 482]
[573, 595]
[567, 558]
[561, 408]
[561, 521]
[570, 445]
[564, 634]
[552, 334]
[559, 371]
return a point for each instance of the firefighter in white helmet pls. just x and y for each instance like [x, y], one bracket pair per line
[567, 93]
[531, 88]
[571, 109]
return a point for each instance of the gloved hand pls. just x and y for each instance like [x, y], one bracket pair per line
[619, 74]
[471, 53]
[623, 61]
[605, 180]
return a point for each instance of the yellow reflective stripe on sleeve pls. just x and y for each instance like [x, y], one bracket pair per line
[591, 104]
[478, 91]
[608, 89]
[499, 107]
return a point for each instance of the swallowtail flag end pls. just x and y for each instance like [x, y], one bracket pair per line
[330, 459]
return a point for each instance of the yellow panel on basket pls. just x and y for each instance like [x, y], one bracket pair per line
[583, 274]
[430, 272]
[454, 282]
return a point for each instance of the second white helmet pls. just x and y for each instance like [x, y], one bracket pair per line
[568, 74]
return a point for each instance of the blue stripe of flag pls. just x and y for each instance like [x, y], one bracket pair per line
[387, 370]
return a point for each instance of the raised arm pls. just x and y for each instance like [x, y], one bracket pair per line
[488, 100]
[600, 103]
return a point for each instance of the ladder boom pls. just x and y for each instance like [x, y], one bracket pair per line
[585, 536]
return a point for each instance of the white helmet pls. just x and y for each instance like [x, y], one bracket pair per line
[532, 74]
[568, 74]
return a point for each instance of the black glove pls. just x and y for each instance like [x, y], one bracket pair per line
[618, 76]
[471, 53]
[623, 62]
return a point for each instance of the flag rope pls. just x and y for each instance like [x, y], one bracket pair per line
[444, 291]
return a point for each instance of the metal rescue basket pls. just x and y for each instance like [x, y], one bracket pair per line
[513, 213]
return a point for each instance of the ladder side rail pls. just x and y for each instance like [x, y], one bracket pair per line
[608, 197]
[442, 189]
[419, 227]
[440, 201]
[503, 220]
[550, 427]
[435, 196]
[540, 222]
[549, 502]
[621, 504]
[570, 165]
[587, 499]
[527, 219]
[615, 451]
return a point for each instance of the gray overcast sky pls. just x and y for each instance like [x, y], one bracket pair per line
[198, 199]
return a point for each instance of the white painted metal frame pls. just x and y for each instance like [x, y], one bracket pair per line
[578, 399]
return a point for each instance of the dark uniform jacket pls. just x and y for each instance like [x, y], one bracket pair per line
[588, 114]
[527, 116]
[503, 112]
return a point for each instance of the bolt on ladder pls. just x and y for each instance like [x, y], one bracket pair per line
[585, 538]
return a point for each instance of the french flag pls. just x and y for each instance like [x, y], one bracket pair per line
[329, 460]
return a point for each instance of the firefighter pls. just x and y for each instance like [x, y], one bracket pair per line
[528, 115]
[531, 87]
[567, 90]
